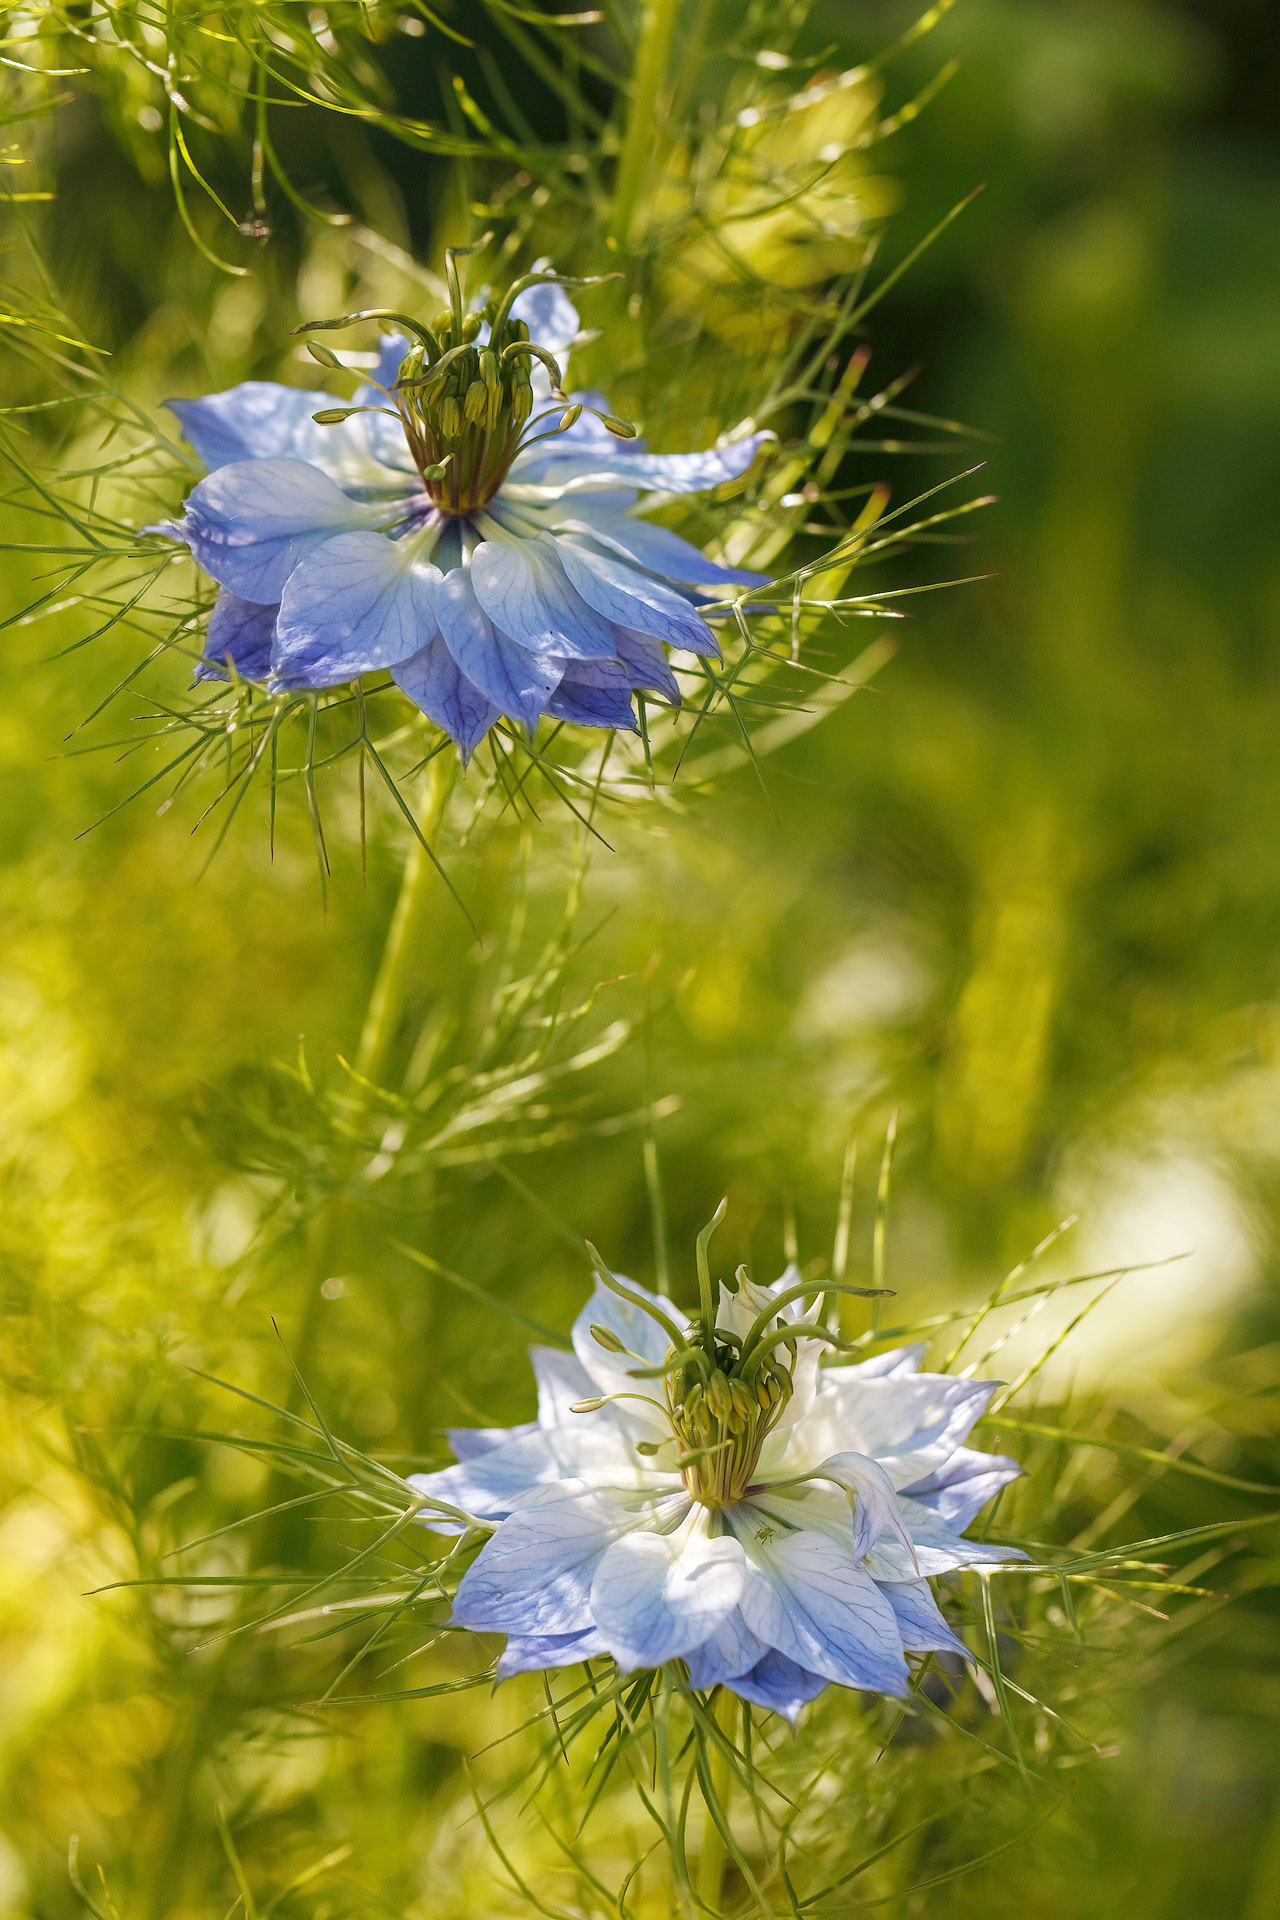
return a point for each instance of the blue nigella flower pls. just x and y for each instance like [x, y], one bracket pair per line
[464, 524]
[723, 1501]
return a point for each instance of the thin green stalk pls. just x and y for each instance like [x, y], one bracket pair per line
[710, 1882]
[399, 956]
[381, 1022]
[653, 56]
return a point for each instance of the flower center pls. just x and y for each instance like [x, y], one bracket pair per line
[721, 1420]
[464, 406]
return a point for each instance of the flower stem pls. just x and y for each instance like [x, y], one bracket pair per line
[716, 1792]
[386, 1001]
[653, 54]
[377, 1036]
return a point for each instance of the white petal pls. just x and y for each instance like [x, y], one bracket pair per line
[468, 1443]
[645, 1344]
[805, 1596]
[534, 1576]
[489, 1484]
[875, 1510]
[887, 1365]
[729, 1650]
[562, 1382]
[934, 1549]
[911, 1423]
[657, 1596]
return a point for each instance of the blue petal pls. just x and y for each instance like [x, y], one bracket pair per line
[660, 551]
[239, 637]
[645, 665]
[382, 433]
[594, 693]
[250, 523]
[522, 588]
[920, 1624]
[391, 352]
[435, 682]
[263, 421]
[256, 421]
[549, 314]
[535, 1653]
[778, 1684]
[958, 1490]
[517, 681]
[356, 604]
[632, 599]
[468, 1443]
[588, 430]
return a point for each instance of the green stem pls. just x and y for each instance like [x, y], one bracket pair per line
[399, 956]
[653, 55]
[377, 1036]
[711, 1862]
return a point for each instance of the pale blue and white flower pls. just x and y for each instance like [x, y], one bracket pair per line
[723, 1501]
[464, 524]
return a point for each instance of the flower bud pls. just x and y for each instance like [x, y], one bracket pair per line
[413, 366]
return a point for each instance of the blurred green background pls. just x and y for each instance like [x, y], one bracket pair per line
[1024, 892]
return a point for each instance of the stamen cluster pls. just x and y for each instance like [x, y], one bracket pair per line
[722, 1414]
[464, 403]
